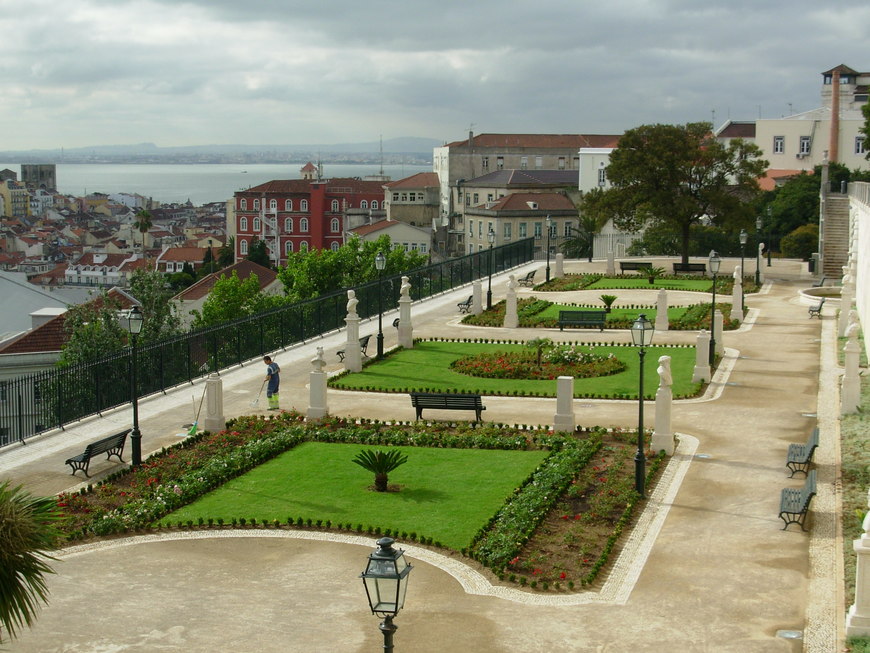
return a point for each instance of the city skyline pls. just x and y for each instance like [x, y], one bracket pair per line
[214, 72]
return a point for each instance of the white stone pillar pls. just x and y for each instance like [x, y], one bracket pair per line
[663, 435]
[702, 358]
[719, 321]
[214, 404]
[760, 266]
[563, 420]
[406, 330]
[560, 266]
[611, 263]
[352, 353]
[847, 296]
[858, 618]
[662, 310]
[317, 407]
[511, 320]
[476, 301]
[737, 295]
[850, 389]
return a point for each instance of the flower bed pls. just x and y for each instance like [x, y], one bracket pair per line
[569, 360]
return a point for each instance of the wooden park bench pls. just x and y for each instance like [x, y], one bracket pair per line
[528, 280]
[634, 265]
[465, 307]
[111, 446]
[794, 504]
[817, 309]
[446, 401]
[800, 456]
[690, 268]
[582, 319]
[363, 345]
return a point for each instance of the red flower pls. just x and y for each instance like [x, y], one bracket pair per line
[563, 575]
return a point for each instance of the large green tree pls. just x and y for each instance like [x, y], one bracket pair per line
[27, 531]
[227, 253]
[259, 253]
[232, 298]
[581, 240]
[677, 175]
[866, 129]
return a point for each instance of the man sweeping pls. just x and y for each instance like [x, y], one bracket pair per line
[273, 380]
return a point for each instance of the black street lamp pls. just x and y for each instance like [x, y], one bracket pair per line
[769, 248]
[380, 264]
[715, 262]
[549, 228]
[490, 236]
[744, 236]
[134, 325]
[386, 581]
[641, 335]
[758, 224]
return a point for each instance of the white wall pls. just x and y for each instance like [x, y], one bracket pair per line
[859, 195]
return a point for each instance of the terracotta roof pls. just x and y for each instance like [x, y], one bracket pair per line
[309, 167]
[243, 270]
[842, 69]
[734, 129]
[519, 178]
[53, 276]
[366, 229]
[304, 186]
[545, 201]
[184, 254]
[107, 260]
[420, 180]
[769, 180]
[542, 141]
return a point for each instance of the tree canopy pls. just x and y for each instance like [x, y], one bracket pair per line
[259, 253]
[675, 175]
[232, 298]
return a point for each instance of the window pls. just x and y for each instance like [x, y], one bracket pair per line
[561, 163]
[334, 225]
[404, 197]
[395, 197]
[364, 204]
[303, 225]
[524, 233]
[539, 162]
[859, 145]
[538, 230]
[288, 247]
[288, 205]
[467, 199]
[170, 266]
[303, 246]
[476, 199]
[554, 229]
[374, 204]
[334, 205]
[288, 225]
[499, 162]
[488, 227]
[778, 144]
[602, 176]
[414, 247]
[273, 205]
[805, 145]
[412, 197]
[243, 224]
[424, 248]
[567, 230]
[3, 385]
[471, 227]
[334, 247]
[524, 163]
[485, 162]
[507, 230]
[256, 204]
[256, 224]
[243, 204]
[480, 229]
[243, 247]
[303, 205]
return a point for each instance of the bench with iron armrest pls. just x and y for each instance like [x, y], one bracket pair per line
[794, 504]
[634, 265]
[528, 280]
[820, 282]
[363, 345]
[686, 268]
[446, 401]
[817, 309]
[800, 456]
[465, 307]
[111, 446]
[582, 319]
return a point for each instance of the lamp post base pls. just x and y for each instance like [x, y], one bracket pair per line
[380, 340]
[387, 627]
[136, 446]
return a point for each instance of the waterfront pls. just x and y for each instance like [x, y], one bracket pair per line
[199, 183]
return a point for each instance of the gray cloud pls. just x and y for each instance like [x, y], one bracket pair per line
[271, 71]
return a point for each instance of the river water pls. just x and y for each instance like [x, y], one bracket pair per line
[199, 183]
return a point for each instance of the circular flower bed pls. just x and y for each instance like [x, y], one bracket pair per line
[570, 360]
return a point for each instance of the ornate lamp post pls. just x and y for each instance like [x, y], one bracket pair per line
[744, 236]
[714, 262]
[758, 224]
[380, 264]
[134, 325]
[769, 248]
[549, 229]
[386, 581]
[490, 236]
[641, 335]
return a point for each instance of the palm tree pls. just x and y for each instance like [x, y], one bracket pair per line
[380, 463]
[26, 531]
[143, 224]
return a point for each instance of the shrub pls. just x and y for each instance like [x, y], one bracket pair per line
[802, 242]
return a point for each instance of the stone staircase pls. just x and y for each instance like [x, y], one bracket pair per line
[836, 245]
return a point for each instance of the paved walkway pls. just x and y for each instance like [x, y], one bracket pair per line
[708, 569]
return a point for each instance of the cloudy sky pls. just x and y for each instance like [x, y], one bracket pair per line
[197, 72]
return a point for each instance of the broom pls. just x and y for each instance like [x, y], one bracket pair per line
[192, 430]
[256, 401]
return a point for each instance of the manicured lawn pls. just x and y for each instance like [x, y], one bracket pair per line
[619, 314]
[426, 368]
[445, 494]
[641, 283]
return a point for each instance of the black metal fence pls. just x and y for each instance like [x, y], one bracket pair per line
[53, 398]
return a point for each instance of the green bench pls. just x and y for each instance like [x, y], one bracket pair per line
[582, 319]
[800, 456]
[111, 446]
[634, 265]
[794, 504]
[446, 401]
